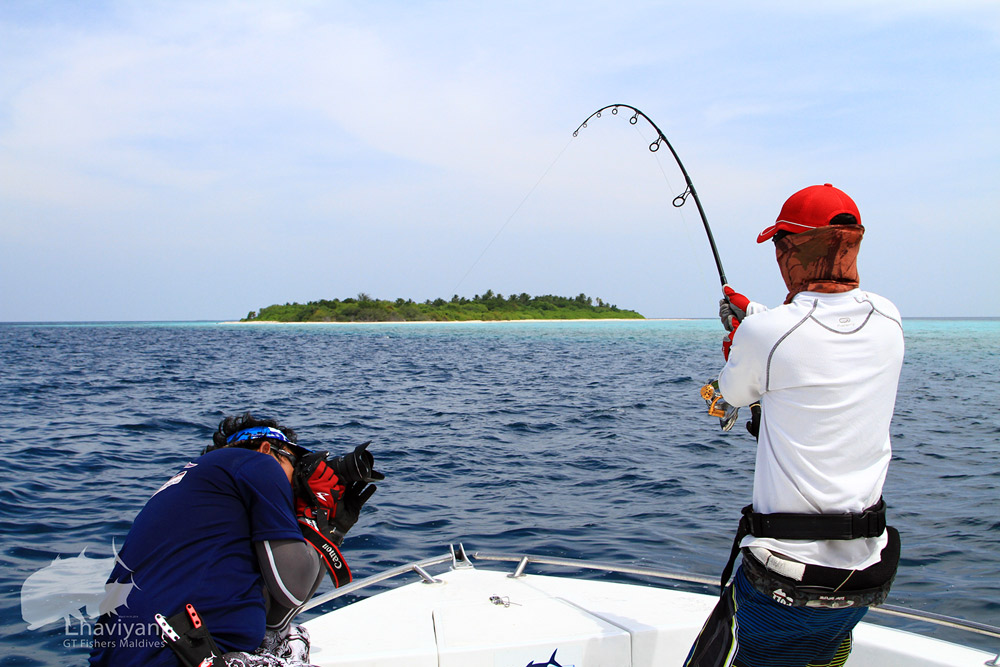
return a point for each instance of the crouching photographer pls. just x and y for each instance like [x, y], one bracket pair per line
[227, 552]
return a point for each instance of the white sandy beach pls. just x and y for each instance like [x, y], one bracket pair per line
[586, 319]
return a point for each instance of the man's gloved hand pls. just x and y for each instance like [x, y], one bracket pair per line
[727, 344]
[357, 466]
[317, 485]
[733, 308]
[349, 507]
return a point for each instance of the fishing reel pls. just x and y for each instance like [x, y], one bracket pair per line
[717, 405]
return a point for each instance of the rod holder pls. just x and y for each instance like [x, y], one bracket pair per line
[425, 575]
[519, 571]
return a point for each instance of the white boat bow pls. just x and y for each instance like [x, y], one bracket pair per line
[473, 616]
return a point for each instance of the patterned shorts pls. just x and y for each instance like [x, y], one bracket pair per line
[290, 650]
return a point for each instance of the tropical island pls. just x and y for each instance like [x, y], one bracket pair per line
[488, 306]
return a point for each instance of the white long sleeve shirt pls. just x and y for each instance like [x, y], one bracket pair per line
[825, 369]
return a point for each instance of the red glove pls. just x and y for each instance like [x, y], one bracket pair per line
[727, 343]
[316, 486]
[732, 310]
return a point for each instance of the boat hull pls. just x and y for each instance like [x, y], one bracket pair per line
[486, 618]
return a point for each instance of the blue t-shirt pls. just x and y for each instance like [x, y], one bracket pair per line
[193, 543]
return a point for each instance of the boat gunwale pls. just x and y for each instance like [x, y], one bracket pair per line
[459, 560]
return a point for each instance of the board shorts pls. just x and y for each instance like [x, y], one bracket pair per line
[750, 629]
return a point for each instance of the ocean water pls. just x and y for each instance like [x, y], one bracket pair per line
[578, 439]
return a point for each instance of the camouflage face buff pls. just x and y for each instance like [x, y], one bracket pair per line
[820, 260]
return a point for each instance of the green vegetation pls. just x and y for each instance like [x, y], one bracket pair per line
[488, 306]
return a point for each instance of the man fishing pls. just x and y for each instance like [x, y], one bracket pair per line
[820, 374]
[227, 551]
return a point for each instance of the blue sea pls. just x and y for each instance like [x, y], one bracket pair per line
[577, 439]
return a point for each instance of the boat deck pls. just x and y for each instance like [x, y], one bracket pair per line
[479, 617]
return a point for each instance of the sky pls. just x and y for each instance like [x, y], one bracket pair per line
[175, 160]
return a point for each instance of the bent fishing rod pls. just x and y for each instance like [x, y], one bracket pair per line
[680, 199]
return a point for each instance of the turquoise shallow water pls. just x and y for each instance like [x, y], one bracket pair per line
[578, 439]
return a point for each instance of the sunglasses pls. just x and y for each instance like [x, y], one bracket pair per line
[287, 454]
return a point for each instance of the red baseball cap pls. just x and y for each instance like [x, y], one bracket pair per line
[810, 208]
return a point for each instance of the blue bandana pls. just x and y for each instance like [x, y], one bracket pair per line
[257, 432]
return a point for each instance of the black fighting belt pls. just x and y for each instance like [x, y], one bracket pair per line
[827, 587]
[848, 526]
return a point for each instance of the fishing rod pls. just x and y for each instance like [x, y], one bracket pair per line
[680, 199]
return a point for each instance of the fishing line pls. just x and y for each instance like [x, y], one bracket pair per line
[511, 216]
[689, 191]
